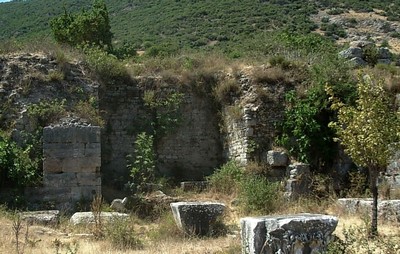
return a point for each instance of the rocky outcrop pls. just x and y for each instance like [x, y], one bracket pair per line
[299, 233]
[197, 218]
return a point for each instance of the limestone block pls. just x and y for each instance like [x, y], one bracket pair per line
[50, 217]
[88, 179]
[65, 150]
[88, 217]
[298, 233]
[196, 218]
[68, 134]
[84, 164]
[277, 159]
[296, 187]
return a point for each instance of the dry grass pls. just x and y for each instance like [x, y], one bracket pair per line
[168, 240]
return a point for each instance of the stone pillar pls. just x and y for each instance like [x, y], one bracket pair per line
[299, 180]
[299, 233]
[71, 163]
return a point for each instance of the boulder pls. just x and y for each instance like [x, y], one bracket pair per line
[197, 218]
[384, 53]
[49, 217]
[298, 233]
[358, 61]
[88, 217]
[351, 53]
[277, 159]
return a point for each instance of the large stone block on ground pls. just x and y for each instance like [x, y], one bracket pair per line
[196, 218]
[277, 159]
[387, 209]
[49, 217]
[88, 217]
[298, 233]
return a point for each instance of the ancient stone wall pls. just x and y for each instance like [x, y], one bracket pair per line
[192, 150]
[71, 164]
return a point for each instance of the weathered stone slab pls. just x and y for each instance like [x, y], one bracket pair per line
[50, 217]
[88, 217]
[387, 209]
[277, 159]
[65, 150]
[196, 218]
[66, 134]
[298, 233]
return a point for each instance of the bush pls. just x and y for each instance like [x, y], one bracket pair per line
[226, 179]
[259, 195]
[106, 66]
[121, 234]
[17, 169]
[227, 90]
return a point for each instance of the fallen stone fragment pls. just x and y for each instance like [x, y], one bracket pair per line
[88, 217]
[298, 233]
[197, 218]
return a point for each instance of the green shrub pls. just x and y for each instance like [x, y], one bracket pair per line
[46, 113]
[17, 169]
[104, 65]
[227, 178]
[256, 194]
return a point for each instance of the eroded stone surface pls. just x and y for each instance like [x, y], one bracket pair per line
[299, 233]
[277, 159]
[196, 218]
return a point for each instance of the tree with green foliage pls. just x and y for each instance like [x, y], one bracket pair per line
[88, 27]
[369, 132]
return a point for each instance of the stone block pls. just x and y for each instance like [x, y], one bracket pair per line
[298, 233]
[60, 180]
[84, 164]
[196, 218]
[88, 217]
[50, 217]
[66, 150]
[277, 159]
[298, 169]
[71, 134]
[387, 209]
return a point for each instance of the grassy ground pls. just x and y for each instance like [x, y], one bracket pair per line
[162, 236]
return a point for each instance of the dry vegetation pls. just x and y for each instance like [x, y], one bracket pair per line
[162, 236]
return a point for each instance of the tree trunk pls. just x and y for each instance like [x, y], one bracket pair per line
[373, 174]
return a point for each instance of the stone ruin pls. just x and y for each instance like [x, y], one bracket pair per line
[298, 233]
[71, 165]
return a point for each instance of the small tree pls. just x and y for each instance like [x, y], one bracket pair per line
[369, 132]
[88, 27]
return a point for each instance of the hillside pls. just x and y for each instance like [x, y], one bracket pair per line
[185, 23]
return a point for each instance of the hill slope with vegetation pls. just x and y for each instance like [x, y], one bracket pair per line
[184, 23]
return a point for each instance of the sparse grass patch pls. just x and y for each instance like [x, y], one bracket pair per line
[167, 229]
[121, 234]
[234, 112]
[226, 91]
[273, 75]
[55, 76]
